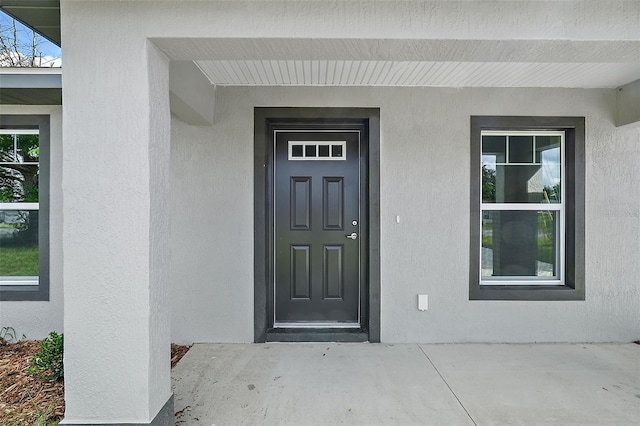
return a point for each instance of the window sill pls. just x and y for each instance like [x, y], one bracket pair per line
[22, 292]
[18, 282]
[526, 292]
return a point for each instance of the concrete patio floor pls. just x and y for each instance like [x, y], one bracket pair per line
[405, 384]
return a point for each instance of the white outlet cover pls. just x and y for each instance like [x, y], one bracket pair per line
[423, 302]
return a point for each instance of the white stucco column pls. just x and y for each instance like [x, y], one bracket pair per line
[116, 225]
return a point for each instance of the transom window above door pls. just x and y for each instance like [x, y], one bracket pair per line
[317, 150]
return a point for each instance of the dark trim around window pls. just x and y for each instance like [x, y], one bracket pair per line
[42, 123]
[573, 288]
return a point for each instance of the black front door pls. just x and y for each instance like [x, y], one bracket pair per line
[318, 233]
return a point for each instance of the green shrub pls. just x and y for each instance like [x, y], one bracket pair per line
[46, 364]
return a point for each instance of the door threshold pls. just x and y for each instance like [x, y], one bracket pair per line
[317, 335]
[328, 324]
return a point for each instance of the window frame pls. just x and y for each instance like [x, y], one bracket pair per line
[558, 208]
[40, 289]
[571, 285]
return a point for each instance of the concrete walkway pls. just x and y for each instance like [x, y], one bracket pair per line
[408, 384]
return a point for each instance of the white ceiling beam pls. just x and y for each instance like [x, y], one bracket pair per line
[191, 94]
[441, 50]
[628, 104]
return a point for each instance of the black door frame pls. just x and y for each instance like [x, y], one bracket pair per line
[266, 120]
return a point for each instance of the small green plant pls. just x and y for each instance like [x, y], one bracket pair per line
[47, 364]
[45, 417]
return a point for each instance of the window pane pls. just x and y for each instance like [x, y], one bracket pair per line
[296, 150]
[524, 183]
[548, 156]
[310, 151]
[7, 148]
[520, 244]
[494, 148]
[19, 243]
[520, 149]
[19, 155]
[323, 150]
[513, 183]
[19, 183]
[488, 183]
[528, 176]
[28, 150]
[336, 151]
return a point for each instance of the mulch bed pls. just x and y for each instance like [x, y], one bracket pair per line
[27, 400]
[24, 399]
[177, 352]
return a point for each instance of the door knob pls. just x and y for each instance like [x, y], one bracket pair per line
[353, 236]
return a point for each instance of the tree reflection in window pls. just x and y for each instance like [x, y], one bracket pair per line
[19, 156]
[19, 173]
[488, 184]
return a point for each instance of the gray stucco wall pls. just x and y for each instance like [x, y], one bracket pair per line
[36, 319]
[425, 181]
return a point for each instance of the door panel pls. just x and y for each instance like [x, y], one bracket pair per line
[300, 203]
[300, 272]
[317, 193]
[333, 202]
[333, 272]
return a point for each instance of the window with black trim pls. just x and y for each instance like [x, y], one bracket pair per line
[24, 207]
[527, 204]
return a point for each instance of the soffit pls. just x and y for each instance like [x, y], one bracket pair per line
[30, 86]
[419, 73]
[43, 16]
[410, 62]
[31, 97]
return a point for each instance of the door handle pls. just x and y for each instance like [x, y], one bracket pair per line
[353, 236]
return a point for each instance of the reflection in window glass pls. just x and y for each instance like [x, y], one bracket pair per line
[521, 179]
[548, 151]
[19, 243]
[519, 244]
[521, 207]
[520, 149]
[19, 156]
[494, 147]
[19, 173]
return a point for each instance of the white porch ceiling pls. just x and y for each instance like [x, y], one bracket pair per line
[410, 62]
[417, 73]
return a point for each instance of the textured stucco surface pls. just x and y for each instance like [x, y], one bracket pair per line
[212, 231]
[115, 232]
[114, 169]
[449, 19]
[159, 145]
[424, 180]
[36, 319]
